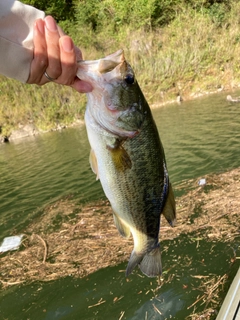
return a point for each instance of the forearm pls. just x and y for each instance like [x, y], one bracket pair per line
[16, 38]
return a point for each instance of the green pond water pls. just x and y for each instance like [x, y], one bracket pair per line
[199, 137]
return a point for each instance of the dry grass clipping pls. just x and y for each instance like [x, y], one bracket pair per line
[72, 239]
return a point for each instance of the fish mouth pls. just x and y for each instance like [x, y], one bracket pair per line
[111, 61]
[103, 65]
[114, 102]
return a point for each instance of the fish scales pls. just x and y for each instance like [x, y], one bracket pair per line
[128, 157]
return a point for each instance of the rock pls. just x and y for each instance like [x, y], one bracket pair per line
[231, 99]
[179, 99]
[25, 131]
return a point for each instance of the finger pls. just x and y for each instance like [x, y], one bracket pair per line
[68, 61]
[78, 53]
[81, 86]
[52, 36]
[60, 31]
[40, 59]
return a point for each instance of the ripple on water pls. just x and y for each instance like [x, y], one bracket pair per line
[199, 137]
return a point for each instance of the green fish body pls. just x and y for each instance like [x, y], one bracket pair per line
[128, 157]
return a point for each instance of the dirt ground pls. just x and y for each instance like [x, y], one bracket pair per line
[74, 239]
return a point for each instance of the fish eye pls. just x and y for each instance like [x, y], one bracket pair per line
[129, 79]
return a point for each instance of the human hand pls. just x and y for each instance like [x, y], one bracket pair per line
[55, 57]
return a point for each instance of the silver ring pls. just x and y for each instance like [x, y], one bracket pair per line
[48, 77]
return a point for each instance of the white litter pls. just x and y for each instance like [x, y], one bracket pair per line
[11, 243]
[202, 182]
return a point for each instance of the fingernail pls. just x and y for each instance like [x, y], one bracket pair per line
[39, 24]
[67, 44]
[50, 24]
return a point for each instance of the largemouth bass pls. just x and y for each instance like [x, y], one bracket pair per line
[128, 157]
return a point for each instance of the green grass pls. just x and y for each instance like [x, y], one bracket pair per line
[192, 54]
[47, 106]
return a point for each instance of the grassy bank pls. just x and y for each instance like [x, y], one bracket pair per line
[194, 53]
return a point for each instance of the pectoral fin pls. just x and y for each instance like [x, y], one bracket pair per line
[120, 156]
[123, 229]
[169, 210]
[93, 163]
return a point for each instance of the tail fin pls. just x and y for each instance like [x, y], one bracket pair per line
[134, 260]
[150, 264]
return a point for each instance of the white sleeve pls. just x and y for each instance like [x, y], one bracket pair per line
[16, 38]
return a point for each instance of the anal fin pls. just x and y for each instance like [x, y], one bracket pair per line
[123, 229]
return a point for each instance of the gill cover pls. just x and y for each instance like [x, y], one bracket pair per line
[120, 109]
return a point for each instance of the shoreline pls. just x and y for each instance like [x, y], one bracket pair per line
[30, 130]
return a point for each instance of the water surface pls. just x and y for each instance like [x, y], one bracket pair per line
[199, 137]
